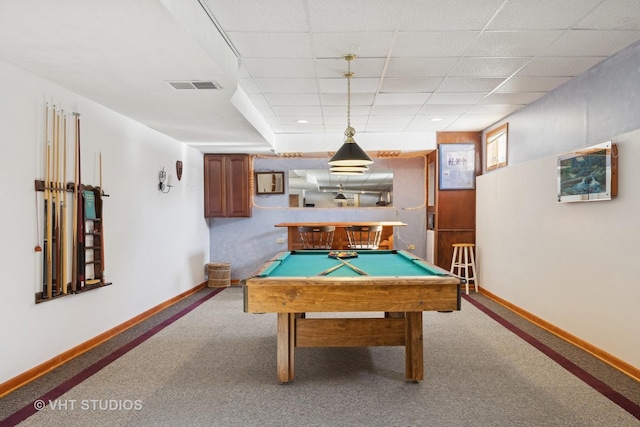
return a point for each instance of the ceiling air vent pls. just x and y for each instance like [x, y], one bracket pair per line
[195, 85]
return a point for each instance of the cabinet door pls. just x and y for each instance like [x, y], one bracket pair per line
[238, 201]
[214, 184]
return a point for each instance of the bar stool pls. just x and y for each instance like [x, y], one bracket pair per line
[463, 259]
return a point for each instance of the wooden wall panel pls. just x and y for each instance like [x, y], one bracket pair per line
[455, 210]
[447, 238]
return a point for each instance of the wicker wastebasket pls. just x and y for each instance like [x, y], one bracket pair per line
[218, 274]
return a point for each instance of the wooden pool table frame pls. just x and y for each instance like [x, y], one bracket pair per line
[402, 299]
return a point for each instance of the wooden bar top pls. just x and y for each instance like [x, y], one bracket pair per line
[342, 223]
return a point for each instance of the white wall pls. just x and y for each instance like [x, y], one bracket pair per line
[156, 244]
[574, 265]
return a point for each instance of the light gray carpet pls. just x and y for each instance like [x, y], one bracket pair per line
[216, 366]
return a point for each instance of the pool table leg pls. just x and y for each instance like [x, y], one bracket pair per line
[285, 347]
[414, 366]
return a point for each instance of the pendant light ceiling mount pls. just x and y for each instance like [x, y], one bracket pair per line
[350, 154]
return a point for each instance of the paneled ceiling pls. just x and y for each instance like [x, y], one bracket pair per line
[422, 65]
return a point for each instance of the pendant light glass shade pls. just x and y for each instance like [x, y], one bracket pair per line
[350, 154]
[340, 196]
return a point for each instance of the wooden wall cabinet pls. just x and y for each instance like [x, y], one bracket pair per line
[226, 186]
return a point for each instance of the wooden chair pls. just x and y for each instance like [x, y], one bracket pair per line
[364, 236]
[316, 237]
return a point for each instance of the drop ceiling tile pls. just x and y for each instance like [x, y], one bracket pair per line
[432, 44]
[512, 98]
[445, 119]
[512, 43]
[301, 110]
[540, 14]
[340, 121]
[301, 128]
[425, 124]
[494, 109]
[613, 14]
[287, 85]
[356, 15]
[272, 45]
[396, 110]
[341, 99]
[410, 85]
[356, 110]
[312, 120]
[469, 84]
[360, 67]
[264, 16]
[443, 15]
[387, 124]
[532, 84]
[363, 44]
[456, 98]
[339, 85]
[592, 43]
[277, 99]
[488, 67]
[401, 98]
[559, 66]
[279, 68]
[473, 123]
[444, 109]
[419, 67]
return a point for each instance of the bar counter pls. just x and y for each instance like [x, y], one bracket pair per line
[340, 240]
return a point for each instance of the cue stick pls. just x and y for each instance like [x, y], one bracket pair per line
[80, 216]
[101, 195]
[74, 218]
[56, 194]
[48, 213]
[329, 270]
[63, 205]
[353, 267]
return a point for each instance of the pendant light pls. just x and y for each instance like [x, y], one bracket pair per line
[340, 195]
[350, 154]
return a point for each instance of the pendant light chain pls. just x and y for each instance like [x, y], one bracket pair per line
[349, 91]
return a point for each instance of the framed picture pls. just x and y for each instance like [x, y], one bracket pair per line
[496, 144]
[269, 182]
[457, 166]
[588, 174]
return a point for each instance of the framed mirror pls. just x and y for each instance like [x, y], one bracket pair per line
[269, 182]
[319, 188]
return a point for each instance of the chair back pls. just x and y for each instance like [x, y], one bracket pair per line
[364, 236]
[316, 237]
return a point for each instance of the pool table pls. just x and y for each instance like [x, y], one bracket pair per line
[397, 284]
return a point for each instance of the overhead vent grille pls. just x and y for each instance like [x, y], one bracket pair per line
[195, 85]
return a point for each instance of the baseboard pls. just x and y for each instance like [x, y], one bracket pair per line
[30, 375]
[607, 358]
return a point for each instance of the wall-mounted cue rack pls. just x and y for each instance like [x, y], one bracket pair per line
[73, 223]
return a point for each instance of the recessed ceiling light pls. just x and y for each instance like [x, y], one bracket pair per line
[435, 119]
[302, 121]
